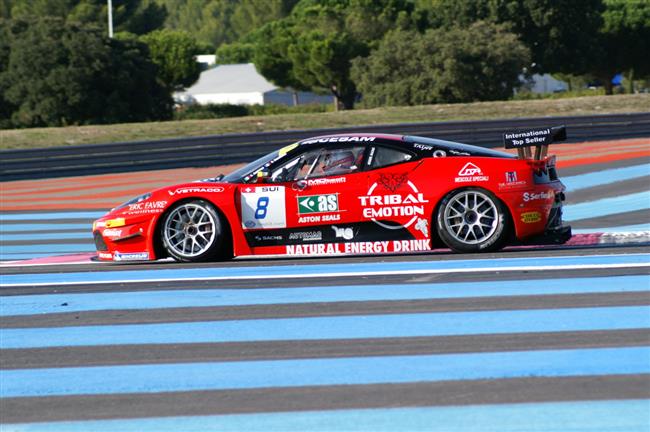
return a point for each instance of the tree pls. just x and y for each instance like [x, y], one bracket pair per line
[312, 48]
[174, 53]
[235, 53]
[623, 42]
[559, 33]
[133, 16]
[482, 62]
[61, 74]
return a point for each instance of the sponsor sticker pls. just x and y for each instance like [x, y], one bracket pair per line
[105, 255]
[306, 236]
[423, 226]
[531, 217]
[328, 203]
[112, 233]
[423, 147]
[263, 207]
[134, 256]
[512, 181]
[470, 173]
[320, 218]
[370, 247]
[326, 181]
[531, 196]
[340, 139]
[191, 190]
[406, 201]
[147, 207]
[261, 238]
[527, 138]
[344, 233]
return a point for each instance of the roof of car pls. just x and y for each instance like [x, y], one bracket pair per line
[421, 145]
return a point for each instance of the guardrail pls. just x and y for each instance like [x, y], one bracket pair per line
[235, 148]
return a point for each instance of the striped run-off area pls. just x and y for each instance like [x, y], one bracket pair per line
[423, 342]
[608, 192]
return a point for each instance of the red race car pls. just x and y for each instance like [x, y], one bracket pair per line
[350, 194]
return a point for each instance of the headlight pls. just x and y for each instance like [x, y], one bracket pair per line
[134, 200]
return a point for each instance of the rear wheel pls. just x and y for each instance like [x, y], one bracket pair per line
[194, 231]
[472, 220]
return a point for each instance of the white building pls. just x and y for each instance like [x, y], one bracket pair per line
[547, 84]
[241, 84]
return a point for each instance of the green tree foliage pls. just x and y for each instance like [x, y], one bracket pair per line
[174, 52]
[482, 62]
[623, 43]
[312, 48]
[235, 53]
[217, 22]
[61, 74]
[133, 16]
[559, 33]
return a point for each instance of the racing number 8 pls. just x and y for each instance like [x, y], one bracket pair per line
[262, 207]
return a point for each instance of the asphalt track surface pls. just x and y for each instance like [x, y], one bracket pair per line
[554, 338]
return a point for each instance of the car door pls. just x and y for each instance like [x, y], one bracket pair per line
[310, 199]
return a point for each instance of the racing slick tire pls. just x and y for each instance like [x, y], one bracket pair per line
[193, 231]
[472, 220]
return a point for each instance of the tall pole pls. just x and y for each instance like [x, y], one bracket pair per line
[110, 18]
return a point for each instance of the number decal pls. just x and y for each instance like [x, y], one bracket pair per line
[262, 207]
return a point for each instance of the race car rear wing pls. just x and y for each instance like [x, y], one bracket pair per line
[523, 140]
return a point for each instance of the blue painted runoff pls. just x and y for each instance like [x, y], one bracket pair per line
[47, 236]
[607, 206]
[322, 372]
[375, 267]
[54, 248]
[23, 256]
[43, 227]
[53, 303]
[584, 416]
[615, 229]
[336, 327]
[49, 216]
[608, 176]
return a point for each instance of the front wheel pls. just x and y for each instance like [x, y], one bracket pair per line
[472, 220]
[193, 231]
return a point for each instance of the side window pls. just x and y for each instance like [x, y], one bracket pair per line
[320, 163]
[384, 156]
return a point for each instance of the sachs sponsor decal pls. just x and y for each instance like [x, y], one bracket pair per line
[190, 190]
[408, 202]
[470, 173]
[531, 196]
[531, 217]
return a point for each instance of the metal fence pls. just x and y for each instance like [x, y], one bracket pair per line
[235, 148]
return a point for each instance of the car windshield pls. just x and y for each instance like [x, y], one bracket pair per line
[251, 168]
